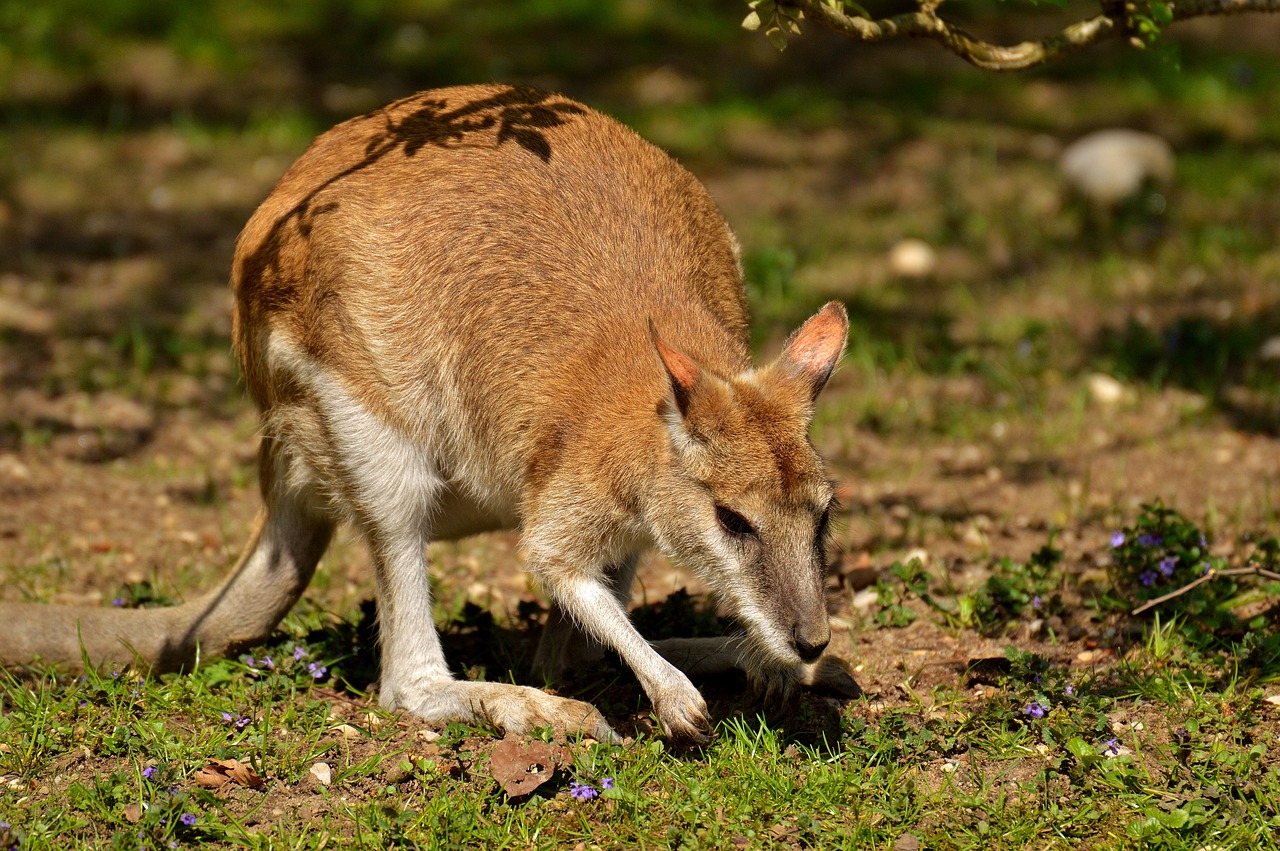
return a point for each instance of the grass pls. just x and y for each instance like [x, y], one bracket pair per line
[1173, 786]
[1164, 749]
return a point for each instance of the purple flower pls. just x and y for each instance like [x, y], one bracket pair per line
[1112, 745]
[1036, 602]
[1150, 540]
[118, 601]
[266, 662]
[1166, 565]
[1206, 568]
[298, 653]
[1035, 710]
[187, 818]
[1117, 538]
[582, 791]
[149, 772]
[1203, 542]
[317, 670]
[606, 783]
[1069, 691]
[237, 719]
[1147, 578]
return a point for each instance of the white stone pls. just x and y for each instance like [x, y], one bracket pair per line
[919, 554]
[1108, 166]
[322, 773]
[1270, 349]
[865, 599]
[1105, 390]
[913, 258]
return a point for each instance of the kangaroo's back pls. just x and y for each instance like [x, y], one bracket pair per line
[492, 240]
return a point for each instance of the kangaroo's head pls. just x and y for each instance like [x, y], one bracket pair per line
[748, 501]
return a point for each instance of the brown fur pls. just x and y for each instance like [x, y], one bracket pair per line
[491, 306]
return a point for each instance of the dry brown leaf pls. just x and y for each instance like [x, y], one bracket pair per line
[219, 772]
[133, 813]
[520, 767]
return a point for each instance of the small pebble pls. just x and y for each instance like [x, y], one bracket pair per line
[913, 258]
[322, 773]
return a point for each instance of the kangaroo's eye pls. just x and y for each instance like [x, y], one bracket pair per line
[734, 523]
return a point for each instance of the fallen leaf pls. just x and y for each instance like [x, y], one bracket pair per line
[133, 813]
[219, 772]
[520, 767]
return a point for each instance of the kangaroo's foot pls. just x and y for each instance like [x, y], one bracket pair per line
[511, 709]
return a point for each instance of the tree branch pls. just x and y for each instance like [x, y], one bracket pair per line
[1251, 570]
[926, 23]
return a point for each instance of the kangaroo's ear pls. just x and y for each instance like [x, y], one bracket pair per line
[812, 350]
[682, 373]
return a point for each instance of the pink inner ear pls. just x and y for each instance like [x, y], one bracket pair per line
[817, 344]
[683, 371]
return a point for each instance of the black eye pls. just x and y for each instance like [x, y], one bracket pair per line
[824, 527]
[734, 523]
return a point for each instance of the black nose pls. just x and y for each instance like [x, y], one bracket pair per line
[809, 652]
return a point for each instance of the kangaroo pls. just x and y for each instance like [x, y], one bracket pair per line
[491, 307]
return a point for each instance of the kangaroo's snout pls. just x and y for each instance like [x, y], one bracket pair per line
[809, 640]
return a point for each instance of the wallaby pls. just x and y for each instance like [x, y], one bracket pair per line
[492, 307]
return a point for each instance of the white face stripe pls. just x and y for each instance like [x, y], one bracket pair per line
[765, 634]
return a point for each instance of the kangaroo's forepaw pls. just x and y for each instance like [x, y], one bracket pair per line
[683, 715]
[831, 676]
[777, 689]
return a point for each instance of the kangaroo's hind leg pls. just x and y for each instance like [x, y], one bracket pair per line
[274, 569]
[389, 482]
[291, 535]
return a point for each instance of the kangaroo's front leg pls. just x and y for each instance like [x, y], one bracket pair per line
[564, 648]
[591, 603]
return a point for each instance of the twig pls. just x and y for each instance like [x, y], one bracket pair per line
[926, 23]
[1200, 580]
